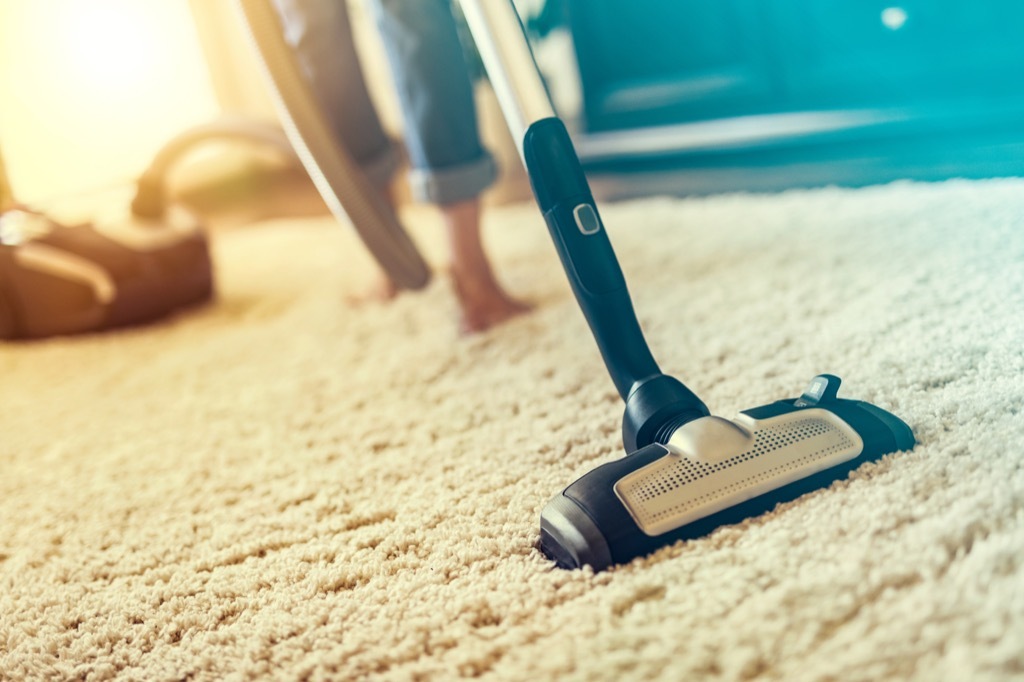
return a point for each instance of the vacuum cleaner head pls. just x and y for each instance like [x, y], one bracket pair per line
[713, 472]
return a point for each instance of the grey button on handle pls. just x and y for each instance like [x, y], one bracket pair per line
[586, 219]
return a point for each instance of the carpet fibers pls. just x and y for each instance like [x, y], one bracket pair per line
[286, 485]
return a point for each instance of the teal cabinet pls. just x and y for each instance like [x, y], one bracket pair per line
[662, 62]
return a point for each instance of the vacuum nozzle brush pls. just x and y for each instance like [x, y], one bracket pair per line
[714, 471]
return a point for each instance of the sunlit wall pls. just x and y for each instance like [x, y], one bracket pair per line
[90, 89]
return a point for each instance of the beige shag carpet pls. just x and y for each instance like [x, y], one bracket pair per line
[283, 485]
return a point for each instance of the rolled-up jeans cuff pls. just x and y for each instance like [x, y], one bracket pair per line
[454, 183]
[381, 167]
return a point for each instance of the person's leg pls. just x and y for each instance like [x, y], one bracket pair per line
[483, 300]
[449, 165]
[321, 34]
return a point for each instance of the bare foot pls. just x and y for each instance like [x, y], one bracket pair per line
[381, 290]
[484, 303]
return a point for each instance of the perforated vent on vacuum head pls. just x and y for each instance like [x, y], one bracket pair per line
[676, 490]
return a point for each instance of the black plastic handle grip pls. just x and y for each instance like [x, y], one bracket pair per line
[564, 197]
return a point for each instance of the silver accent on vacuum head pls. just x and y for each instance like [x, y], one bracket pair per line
[715, 464]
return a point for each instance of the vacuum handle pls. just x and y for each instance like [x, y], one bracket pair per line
[564, 197]
[498, 34]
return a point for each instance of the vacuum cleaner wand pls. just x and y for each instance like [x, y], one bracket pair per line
[687, 472]
[562, 193]
[654, 401]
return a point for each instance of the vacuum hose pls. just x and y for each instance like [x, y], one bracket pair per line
[151, 189]
[348, 193]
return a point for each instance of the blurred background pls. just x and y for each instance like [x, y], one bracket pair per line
[663, 96]
[92, 89]
[768, 94]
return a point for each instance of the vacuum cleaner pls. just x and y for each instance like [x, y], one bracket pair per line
[114, 265]
[111, 267]
[687, 472]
